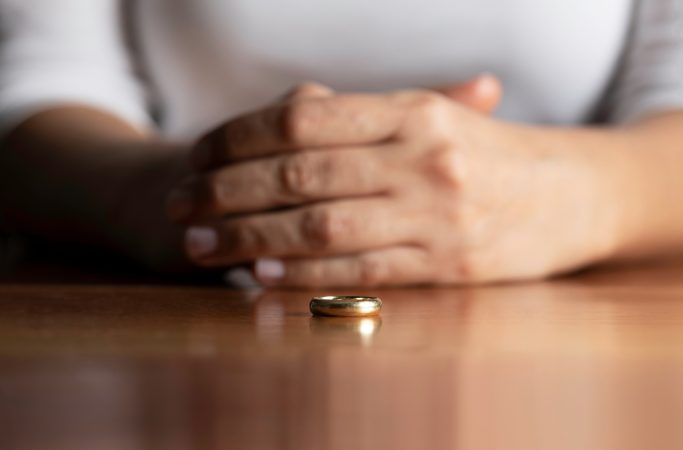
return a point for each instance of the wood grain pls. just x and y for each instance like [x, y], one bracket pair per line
[589, 362]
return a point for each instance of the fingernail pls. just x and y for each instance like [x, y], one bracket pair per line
[269, 269]
[201, 155]
[241, 278]
[200, 241]
[179, 204]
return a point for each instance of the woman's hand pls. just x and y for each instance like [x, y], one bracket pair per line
[77, 174]
[404, 188]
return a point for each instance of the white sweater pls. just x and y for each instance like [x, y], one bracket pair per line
[182, 66]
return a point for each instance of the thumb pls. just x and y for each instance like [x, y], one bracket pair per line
[482, 93]
[308, 90]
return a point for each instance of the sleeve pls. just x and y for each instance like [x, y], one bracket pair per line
[66, 51]
[651, 76]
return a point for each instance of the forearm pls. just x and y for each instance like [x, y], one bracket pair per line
[637, 173]
[67, 174]
[653, 192]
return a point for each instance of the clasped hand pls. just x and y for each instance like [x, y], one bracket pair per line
[410, 187]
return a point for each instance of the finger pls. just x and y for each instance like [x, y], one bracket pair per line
[333, 121]
[202, 157]
[285, 180]
[395, 266]
[307, 90]
[482, 93]
[338, 227]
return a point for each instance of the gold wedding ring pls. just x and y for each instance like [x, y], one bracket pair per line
[345, 306]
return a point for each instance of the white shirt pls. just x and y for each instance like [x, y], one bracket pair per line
[183, 66]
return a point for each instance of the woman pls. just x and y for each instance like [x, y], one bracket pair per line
[381, 173]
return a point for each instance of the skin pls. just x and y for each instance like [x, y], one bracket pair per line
[413, 188]
[75, 174]
[79, 175]
[334, 189]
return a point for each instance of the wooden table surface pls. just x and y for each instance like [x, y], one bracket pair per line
[588, 362]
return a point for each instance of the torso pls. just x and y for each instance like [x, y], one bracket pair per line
[210, 60]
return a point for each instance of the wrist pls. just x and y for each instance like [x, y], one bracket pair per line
[587, 172]
[643, 175]
[617, 196]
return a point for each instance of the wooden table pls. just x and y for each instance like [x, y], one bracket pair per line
[589, 362]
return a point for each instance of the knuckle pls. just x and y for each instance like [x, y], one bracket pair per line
[296, 119]
[298, 175]
[444, 164]
[431, 112]
[428, 103]
[371, 271]
[323, 228]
